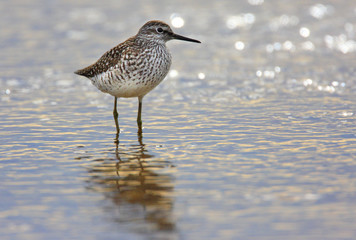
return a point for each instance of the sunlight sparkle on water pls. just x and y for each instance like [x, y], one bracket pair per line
[239, 45]
[173, 73]
[201, 75]
[319, 10]
[341, 43]
[268, 74]
[288, 46]
[308, 45]
[346, 114]
[176, 20]
[304, 32]
[308, 82]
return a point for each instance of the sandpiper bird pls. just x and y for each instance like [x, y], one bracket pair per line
[135, 67]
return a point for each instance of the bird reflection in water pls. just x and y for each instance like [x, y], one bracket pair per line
[139, 185]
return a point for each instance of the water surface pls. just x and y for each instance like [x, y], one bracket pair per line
[251, 136]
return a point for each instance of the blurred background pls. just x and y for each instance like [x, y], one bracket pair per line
[251, 135]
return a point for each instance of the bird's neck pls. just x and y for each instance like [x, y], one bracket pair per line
[147, 42]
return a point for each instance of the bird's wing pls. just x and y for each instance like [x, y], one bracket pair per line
[108, 60]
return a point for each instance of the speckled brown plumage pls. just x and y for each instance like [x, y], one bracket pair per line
[109, 59]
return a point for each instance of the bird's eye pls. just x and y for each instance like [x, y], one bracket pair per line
[159, 30]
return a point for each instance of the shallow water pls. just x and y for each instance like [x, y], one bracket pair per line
[251, 136]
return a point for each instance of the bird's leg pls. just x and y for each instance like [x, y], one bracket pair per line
[139, 121]
[116, 115]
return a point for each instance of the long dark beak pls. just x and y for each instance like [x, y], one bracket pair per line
[179, 37]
